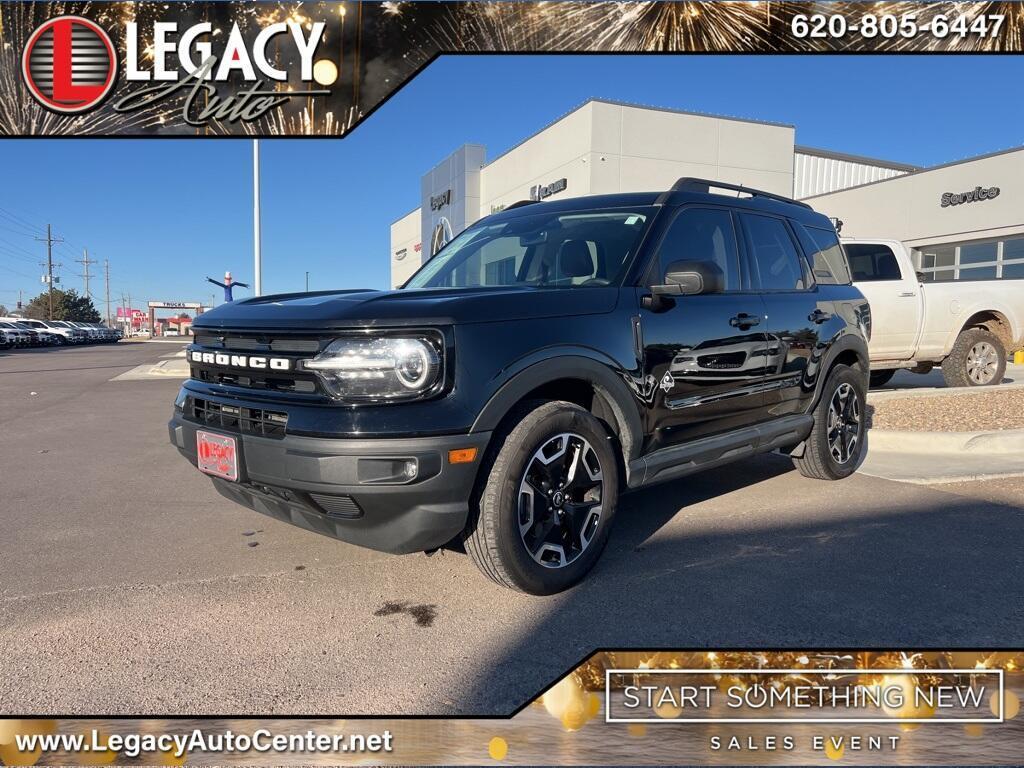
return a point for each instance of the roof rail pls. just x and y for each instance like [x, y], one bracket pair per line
[704, 186]
[519, 204]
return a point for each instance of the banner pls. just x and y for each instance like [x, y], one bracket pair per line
[321, 68]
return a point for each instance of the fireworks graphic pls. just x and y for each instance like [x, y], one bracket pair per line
[369, 49]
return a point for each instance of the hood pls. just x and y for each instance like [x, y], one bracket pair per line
[364, 308]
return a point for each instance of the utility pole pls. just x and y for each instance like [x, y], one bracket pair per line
[106, 280]
[307, 281]
[49, 263]
[85, 261]
[257, 259]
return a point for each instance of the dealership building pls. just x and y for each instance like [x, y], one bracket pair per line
[962, 220]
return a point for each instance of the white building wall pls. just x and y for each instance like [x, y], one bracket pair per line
[909, 208]
[406, 247]
[605, 147]
[819, 175]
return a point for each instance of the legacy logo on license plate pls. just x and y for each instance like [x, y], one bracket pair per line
[217, 455]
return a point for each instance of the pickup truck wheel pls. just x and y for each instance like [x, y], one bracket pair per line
[978, 359]
[881, 378]
[546, 507]
[836, 442]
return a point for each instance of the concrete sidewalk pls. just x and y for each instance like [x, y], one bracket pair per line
[169, 366]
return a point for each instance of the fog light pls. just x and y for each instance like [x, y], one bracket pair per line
[462, 456]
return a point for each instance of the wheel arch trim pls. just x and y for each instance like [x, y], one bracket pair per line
[847, 342]
[532, 373]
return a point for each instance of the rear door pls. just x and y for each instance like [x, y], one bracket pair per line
[794, 320]
[895, 299]
[704, 355]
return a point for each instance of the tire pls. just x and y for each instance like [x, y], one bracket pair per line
[978, 359]
[525, 464]
[820, 459]
[881, 378]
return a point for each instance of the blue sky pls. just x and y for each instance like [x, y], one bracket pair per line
[168, 213]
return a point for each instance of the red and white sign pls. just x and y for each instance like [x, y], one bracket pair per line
[69, 64]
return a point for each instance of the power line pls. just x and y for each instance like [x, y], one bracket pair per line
[20, 219]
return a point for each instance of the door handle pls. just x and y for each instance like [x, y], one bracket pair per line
[819, 316]
[744, 321]
[907, 295]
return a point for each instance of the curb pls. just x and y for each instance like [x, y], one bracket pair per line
[927, 458]
[932, 443]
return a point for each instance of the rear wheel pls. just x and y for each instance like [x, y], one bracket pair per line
[881, 378]
[834, 447]
[978, 359]
[546, 508]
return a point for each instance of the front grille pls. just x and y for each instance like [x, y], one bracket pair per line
[253, 421]
[297, 381]
[266, 382]
[337, 506]
[258, 343]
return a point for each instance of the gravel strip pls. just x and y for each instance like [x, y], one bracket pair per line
[992, 409]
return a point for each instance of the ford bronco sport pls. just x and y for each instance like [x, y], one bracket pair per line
[550, 357]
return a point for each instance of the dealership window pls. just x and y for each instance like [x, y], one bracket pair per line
[974, 260]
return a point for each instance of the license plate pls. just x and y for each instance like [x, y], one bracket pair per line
[218, 455]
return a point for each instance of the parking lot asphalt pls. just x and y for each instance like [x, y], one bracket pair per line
[128, 586]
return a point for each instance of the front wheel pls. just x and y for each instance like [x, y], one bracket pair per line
[836, 442]
[546, 508]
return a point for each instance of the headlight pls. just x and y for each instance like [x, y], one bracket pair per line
[380, 368]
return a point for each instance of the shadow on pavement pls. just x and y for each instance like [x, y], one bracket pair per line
[947, 574]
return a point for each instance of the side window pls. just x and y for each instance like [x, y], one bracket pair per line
[872, 262]
[702, 234]
[776, 259]
[827, 259]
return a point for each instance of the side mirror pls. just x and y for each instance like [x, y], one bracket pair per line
[690, 278]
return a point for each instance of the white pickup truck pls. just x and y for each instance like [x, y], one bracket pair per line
[966, 326]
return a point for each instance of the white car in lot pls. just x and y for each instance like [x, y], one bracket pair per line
[67, 335]
[18, 337]
[966, 326]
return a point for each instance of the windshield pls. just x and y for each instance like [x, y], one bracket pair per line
[564, 250]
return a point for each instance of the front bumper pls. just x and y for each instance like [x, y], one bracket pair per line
[344, 487]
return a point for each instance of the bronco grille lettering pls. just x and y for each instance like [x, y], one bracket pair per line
[259, 362]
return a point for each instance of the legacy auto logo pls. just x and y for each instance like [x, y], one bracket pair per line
[69, 64]
[257, 362]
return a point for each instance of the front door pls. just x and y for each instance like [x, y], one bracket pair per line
[895, 299]
[704, 355]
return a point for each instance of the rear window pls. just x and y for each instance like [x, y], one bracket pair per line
[872, 262]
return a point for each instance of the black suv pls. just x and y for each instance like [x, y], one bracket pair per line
[549, 358]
